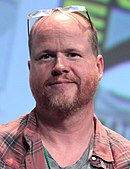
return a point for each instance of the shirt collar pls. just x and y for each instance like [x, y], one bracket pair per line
[100, 155]
[101, 152]
[102, 147]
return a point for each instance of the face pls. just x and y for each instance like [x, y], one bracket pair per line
[64, 73]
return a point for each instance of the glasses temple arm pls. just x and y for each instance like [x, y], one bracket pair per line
[28, 29]
[89, 19]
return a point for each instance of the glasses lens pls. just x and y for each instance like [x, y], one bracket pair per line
[74, 8]
[40, 13]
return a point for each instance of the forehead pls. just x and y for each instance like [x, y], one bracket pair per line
[65, 28]
[60, 21]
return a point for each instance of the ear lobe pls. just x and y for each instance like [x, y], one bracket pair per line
[100, 66]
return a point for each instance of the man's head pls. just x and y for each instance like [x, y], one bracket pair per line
[64, 68]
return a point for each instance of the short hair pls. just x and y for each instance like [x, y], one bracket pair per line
[92, 37]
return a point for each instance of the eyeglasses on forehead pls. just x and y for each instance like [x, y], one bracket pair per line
[48, 12]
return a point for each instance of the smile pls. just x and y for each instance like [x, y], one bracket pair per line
[61, 82]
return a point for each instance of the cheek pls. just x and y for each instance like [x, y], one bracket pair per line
[37, 79]
[82, 71]
[36, 84]
[87, 73]
[39, 73]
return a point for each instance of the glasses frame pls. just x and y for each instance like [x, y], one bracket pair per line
[48, 12]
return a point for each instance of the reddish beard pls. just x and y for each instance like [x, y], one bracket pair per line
[60, 105]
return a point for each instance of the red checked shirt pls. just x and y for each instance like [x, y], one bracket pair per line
[21, 146]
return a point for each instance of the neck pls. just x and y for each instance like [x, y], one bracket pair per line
[78, 126]
[72, 137]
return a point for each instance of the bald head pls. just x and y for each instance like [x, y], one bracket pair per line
[68, 22]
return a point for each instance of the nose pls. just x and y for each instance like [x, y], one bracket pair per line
[61, 66]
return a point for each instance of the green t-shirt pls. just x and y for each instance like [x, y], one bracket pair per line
[82, 163]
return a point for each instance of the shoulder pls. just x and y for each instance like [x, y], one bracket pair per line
[11, 131]
[111, 146]
[117, 139]
[11, 141]
[14, 126]
[120, 148]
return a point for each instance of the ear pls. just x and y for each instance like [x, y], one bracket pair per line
[29, 64]
[100, 66]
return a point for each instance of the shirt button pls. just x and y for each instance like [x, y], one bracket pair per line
[94, 158]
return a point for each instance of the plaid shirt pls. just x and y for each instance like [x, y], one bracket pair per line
[21, 146]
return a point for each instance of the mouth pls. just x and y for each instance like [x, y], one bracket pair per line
[61, 82]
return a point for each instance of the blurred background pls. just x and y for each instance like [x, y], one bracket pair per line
[112, 20]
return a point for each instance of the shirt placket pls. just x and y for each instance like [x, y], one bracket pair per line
[29, 162]
[35, 155]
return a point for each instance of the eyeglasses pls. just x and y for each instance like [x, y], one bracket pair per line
[48, 12]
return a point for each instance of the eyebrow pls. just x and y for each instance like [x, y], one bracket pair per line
[64, 51]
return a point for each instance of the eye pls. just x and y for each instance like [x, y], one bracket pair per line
[73, 55]
[46, 57]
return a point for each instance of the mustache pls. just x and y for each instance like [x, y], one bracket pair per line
[66, 78]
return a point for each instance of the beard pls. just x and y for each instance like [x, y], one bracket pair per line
[60, 104]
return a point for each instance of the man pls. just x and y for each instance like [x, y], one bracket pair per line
[62, 131]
